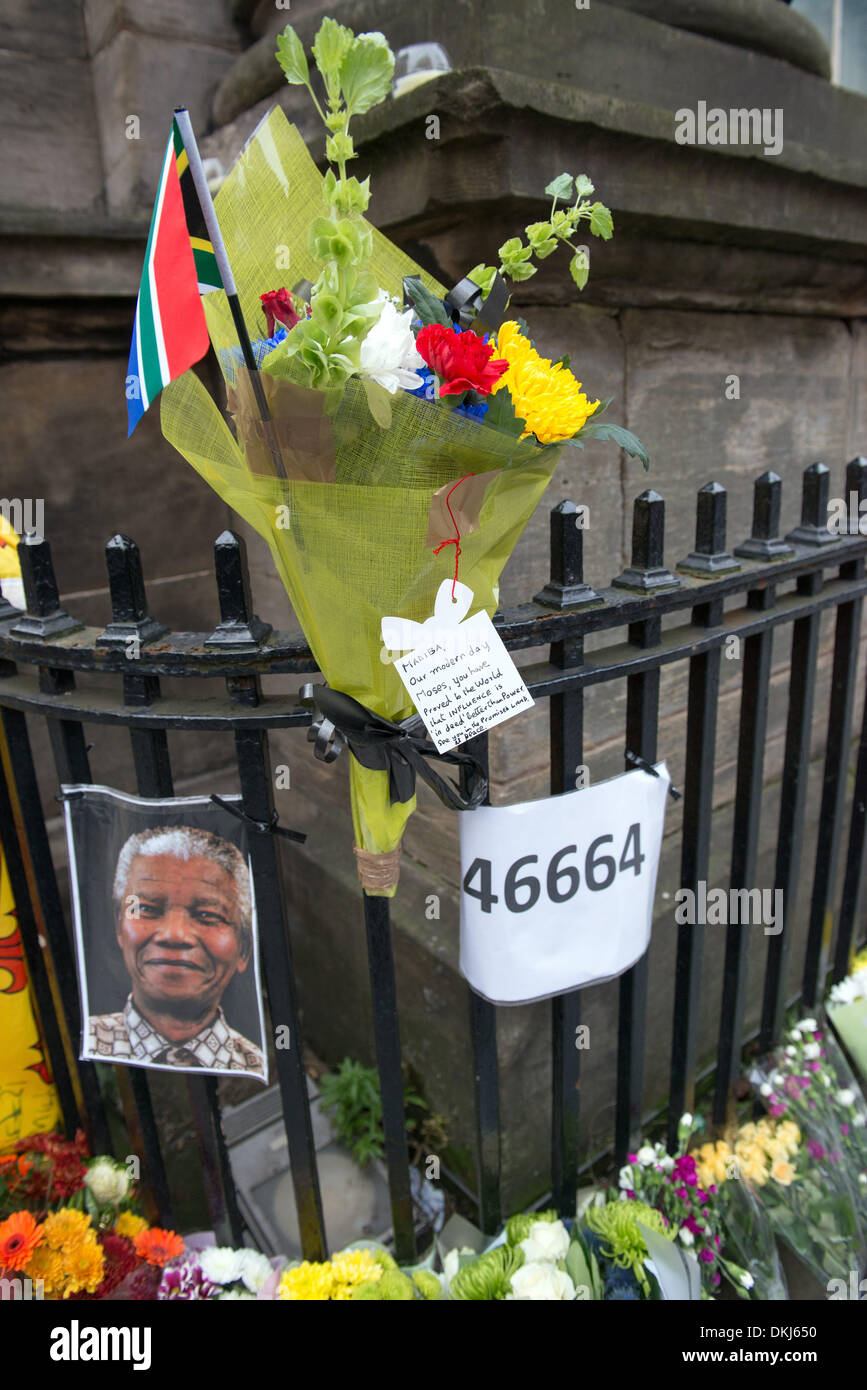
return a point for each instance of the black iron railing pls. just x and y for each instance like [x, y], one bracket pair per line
[781, 582]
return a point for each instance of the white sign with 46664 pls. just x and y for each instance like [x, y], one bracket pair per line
[557, 894]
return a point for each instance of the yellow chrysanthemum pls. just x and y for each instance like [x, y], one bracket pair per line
[129, 1225]
[307, 1281]
[66, 1229]
[547, 398]
[84, 1268]
[755, 1173]
[353, 1267]
[46, 1264]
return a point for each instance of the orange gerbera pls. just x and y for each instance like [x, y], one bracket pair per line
[19, 1237]
[158, 1246]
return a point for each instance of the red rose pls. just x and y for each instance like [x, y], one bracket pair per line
[462, 361]
[278, 309]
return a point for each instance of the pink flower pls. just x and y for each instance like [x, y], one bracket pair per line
[844, 1129]
[707, 1255]
[814, 1148]
[776, 1110]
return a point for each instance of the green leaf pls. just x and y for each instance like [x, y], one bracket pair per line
[366, 73]
[483, 276]
[625, 439]
[501, 413]
[339, 148]
[427, 306]
[601, 221]
[561, 187]
[564, 362]
[330, 47]
[583, 186]
[581, 1266]
[290, 55]
[519, 270]
[579, 269]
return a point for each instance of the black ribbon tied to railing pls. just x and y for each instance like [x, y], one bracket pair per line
[402, 750]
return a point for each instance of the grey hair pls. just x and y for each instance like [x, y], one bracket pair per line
[189, 842]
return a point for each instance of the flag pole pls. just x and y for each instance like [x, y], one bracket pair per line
[200, 182]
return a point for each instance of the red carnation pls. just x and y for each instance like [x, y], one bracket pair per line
[278, 309]
[462, 361]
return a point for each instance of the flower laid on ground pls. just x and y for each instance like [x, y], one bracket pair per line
[535, 1282]
[546, 397]
[462, 361]
[362, 1275]
[158, 1246]
[129, 1224]
[617, 1224]
[108, 1181]
[19, 1237]
[854, 985]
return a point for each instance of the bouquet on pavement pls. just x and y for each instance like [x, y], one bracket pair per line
[412, 431]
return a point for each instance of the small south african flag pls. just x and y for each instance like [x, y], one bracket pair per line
[170, 332]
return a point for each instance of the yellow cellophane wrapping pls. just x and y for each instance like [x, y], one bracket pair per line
[352, 550]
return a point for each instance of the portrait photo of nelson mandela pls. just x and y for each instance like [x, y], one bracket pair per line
[183, 925]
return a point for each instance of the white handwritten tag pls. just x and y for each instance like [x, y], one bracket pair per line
[458, 674]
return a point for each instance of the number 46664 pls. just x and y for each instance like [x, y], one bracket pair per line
[521, 891]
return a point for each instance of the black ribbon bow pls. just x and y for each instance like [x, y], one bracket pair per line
[401, 749]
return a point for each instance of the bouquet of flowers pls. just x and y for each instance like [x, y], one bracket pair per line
[847, 1011]
[403, 420]
[805, 1197]
[717, 1221]
[71, 1226]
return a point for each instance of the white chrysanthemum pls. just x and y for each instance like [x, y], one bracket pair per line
[645, 1155]
[108, 1183]
[547, 1241]
[666, 1163]
[686, 1236]
[221, 1264]
[538, 1283]
[388, 352]
[256, 1269]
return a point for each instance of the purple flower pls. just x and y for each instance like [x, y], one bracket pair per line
[844, 1129]
[716, 1279]
[707, 1255]
[632, 1158]
[692, 1225]
[814, 1149]
[777, 1110]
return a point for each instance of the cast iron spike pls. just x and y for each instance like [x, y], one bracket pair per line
[647, 570]
[710, 555]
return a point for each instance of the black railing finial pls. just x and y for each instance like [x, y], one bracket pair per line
[566, 587]
[856, 496]
[239, 628]
[710, 555]
[44, 617]
[765, 543]
[813, 529]
[130, 620]
[647, 570]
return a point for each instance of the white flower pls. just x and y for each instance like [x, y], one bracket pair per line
[746, 1280]
[846, 992]
[548, 1240]
[812, 1051]
[388, 352]
[862, 1178]
[859, 1120]
[765, 1089]
[537, 1283]
[791, 1052]
[666, 1163]
[221, 1264]
[686, 1236]
[108, 1183]
[645, 1156]
[809, 1025]
[795, 1034]
[231, 1294]
[846, 1096]
[685, 1121]
[625, 1178]
[255, 1269]
[826, 1080]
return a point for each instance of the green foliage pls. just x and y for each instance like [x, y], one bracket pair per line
[561, 187]
[427, 1284]
[356, 72]
[427, 306]
[501, 414]
[351, 1096]
[627, 441]
[582, 1266]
